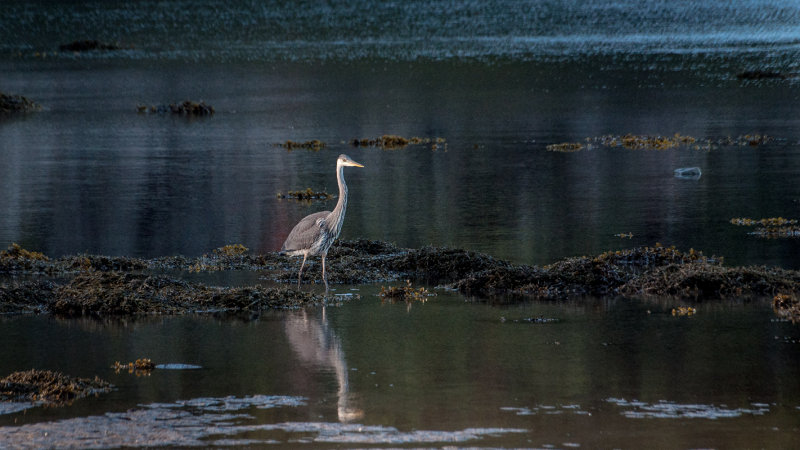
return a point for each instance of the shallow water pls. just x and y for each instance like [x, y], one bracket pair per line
[602, 374]
[90, 174]
[499, 81]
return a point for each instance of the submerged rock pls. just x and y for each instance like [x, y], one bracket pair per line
[11, 103]
[87, 45]
[763, 75]
[690, 173]
[186, 108]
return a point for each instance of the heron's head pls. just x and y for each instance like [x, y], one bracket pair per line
[345, 160]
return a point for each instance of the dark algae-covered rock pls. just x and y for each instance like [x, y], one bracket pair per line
[113, 293]
[87, 45]
[185, 108]
[11, 103]
[99, 285]
[49, 388]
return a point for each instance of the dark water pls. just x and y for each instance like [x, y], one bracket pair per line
[90, 174]
[604, 374]
[499, 81]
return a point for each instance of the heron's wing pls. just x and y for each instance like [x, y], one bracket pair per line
[305, 232]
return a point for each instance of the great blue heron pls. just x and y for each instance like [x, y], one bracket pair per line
[315, 234]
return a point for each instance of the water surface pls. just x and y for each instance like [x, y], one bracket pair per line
[615, 373]
[499, 81]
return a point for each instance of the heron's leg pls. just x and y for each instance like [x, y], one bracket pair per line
[324, 277]
[300, 274]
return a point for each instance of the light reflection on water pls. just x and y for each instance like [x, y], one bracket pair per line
[437, 372]
[91, 175]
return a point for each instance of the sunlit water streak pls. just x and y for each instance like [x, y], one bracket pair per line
[411, 30]
[218, 421]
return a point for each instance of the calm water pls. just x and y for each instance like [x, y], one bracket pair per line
[604, 374]
[499, 81]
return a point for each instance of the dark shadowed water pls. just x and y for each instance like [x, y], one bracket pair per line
[602, 374]
[499, 81]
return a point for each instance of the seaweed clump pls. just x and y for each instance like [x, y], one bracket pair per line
[11, 103]
[46, 387]
[659, 142]
[15, 258]
[186, 108]
[771, 227]
[684, 311]
[142, 366]
[787, 306]
[645, 142]
[392, 141]
[314, 145]
[308, 194]
[405, 293]
[220, 259]
[566, 147]
[115, 293]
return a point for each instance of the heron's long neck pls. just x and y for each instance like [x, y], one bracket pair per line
[336, 217]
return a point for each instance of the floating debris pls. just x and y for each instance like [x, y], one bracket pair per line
[787, 307]
[11, 103]
[141, 366]
[391, 141]
[566, 147]
[88, 45]
[628, 235]
[684, 311]
[307, 195]
[405, 293]
[43, 387]
[315, 145]
[187, 108]
[689, 173]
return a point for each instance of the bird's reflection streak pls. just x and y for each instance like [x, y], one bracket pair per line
[316, 343]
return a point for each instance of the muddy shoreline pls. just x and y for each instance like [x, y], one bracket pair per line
[99, 285]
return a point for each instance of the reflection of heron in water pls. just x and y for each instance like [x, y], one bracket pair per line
[316, 343]
[315, 233]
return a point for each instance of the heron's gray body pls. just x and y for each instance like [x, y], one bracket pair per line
[315, 233]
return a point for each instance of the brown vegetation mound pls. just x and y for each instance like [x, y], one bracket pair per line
[48, 387]
[101, 285]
